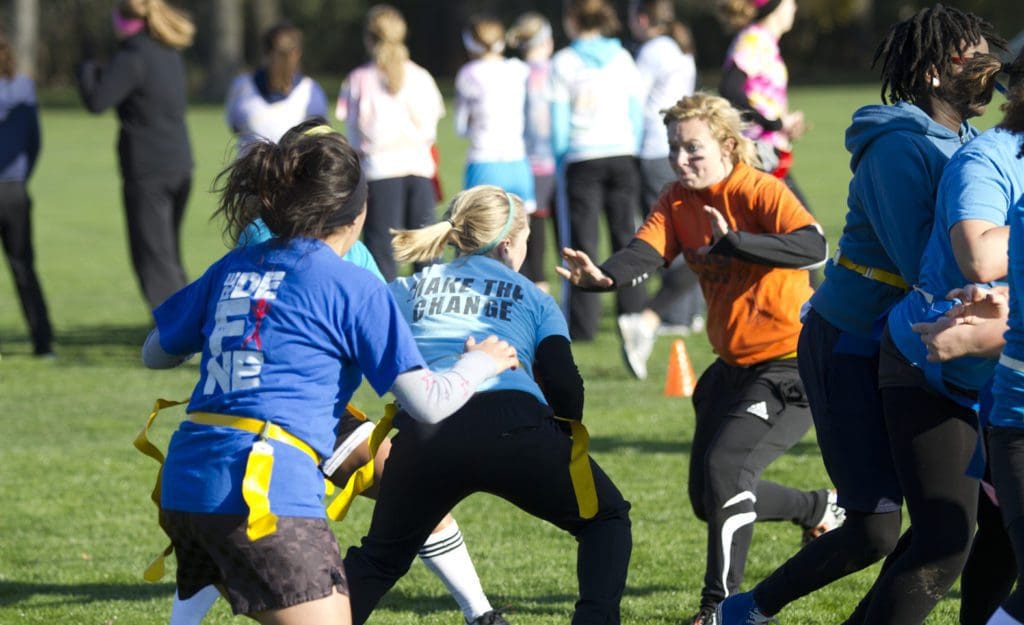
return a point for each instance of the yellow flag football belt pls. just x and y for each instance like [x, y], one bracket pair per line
[259, 467]
[871, 273]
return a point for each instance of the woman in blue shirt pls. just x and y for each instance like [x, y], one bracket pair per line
[286, 331]
[898, 151]
[505, 441]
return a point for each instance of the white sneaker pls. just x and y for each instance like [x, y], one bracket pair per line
[637, 342]
[833, 517]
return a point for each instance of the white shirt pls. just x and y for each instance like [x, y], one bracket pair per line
[668, 74]
[490, 109]
[255, 119]
[393, 132]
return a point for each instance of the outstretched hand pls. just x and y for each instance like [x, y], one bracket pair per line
[971, 328]
[501, 352]
[582, 271]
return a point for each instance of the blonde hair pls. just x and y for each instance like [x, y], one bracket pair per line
[386, 29]
[168, 25]
[735, 14]
[476, 221]
[526, 28]
[589, 15]
[722, 119]
[489, 33]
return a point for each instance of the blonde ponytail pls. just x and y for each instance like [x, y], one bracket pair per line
[476, 221]
[386, 28]
[168, 25]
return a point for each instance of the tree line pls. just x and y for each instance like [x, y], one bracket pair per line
[832, 39]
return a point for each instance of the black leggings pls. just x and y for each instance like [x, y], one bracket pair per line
[1006, 447]
[932, 440]
[506, 444]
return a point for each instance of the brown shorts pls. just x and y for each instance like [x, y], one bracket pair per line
[299, 562]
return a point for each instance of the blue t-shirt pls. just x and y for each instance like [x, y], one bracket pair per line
[897, 157]
[286, 332]
[478, 296]
[1008, 384]
[982, 180]
[358, 254]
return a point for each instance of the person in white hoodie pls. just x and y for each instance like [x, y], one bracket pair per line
[596, 127]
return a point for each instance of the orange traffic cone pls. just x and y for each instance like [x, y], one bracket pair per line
[679, 379]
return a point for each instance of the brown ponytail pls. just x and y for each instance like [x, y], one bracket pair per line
[7, 61]
[593, 15]
[282, 46]
[168, 25]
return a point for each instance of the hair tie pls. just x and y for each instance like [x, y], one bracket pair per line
[316, 131]
[504, 231]
[450, 222]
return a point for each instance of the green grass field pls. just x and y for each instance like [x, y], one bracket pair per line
[76, 524]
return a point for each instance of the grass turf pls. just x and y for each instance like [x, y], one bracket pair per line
[76, 526]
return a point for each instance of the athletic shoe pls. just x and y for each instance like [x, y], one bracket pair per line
[833, 517]
[706, 616]
[637, 343]
[492, 617]
[741, 610]
[696, 326]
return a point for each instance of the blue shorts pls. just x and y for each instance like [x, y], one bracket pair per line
[512, 176]
[840, 376]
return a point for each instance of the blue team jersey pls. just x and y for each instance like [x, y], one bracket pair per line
[286, 331]
[479, 296]
[982, 180]
[897, 157]
[1008, 384]
[359, 254]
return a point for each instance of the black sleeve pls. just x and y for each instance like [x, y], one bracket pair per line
[632, 264]
[559, 379]
[801, 248]
[102, 88]
[732, 86]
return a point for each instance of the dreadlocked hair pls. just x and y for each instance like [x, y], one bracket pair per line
[926, 42]
[1013, 109]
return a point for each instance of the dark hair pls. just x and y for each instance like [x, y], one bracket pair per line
[661, 15]
[296, 185]
[282, 45]
[593, 15]
[928, 40]
[7, 63]
[1013, 109]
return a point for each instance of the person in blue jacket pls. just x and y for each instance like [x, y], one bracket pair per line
[19, 148]
[505, 440]
[898, 151]
[286, 331]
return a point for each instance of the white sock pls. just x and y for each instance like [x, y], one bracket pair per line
[192, 610]
[1001, 617]
[445, 554]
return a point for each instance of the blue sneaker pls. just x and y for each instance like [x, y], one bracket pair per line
[740, 609]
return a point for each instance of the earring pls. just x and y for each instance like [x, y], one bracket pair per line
[935, 82]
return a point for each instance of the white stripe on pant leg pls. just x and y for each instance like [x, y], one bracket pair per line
[729, 528]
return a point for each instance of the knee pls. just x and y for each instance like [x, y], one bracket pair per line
[876, 535]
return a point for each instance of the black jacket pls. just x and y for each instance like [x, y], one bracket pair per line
[146, 82]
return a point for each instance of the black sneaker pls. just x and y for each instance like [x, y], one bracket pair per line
[706, 616]
[489, 618]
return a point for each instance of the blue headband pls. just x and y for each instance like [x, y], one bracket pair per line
[504, 231]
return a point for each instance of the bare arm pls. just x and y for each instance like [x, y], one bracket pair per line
[980, 249]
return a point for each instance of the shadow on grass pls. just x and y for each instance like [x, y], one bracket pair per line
[554, 604]
[103, 344]
[605, 444]
[16, 592]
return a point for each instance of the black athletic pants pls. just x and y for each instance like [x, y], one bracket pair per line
[16, 235]
[746, 418]
[504, 443]
[932, 439]
[536, 266]
[680, 298]
[155, 208]
[1006, 445]
[609, 185]
[403, 203]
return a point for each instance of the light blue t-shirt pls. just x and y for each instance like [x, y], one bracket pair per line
[286, 333]
[982, 180]
[1008, 384]
[897, 157]
[358, 254]
[478, 296]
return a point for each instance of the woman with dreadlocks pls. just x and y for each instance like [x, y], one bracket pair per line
[898, 151]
